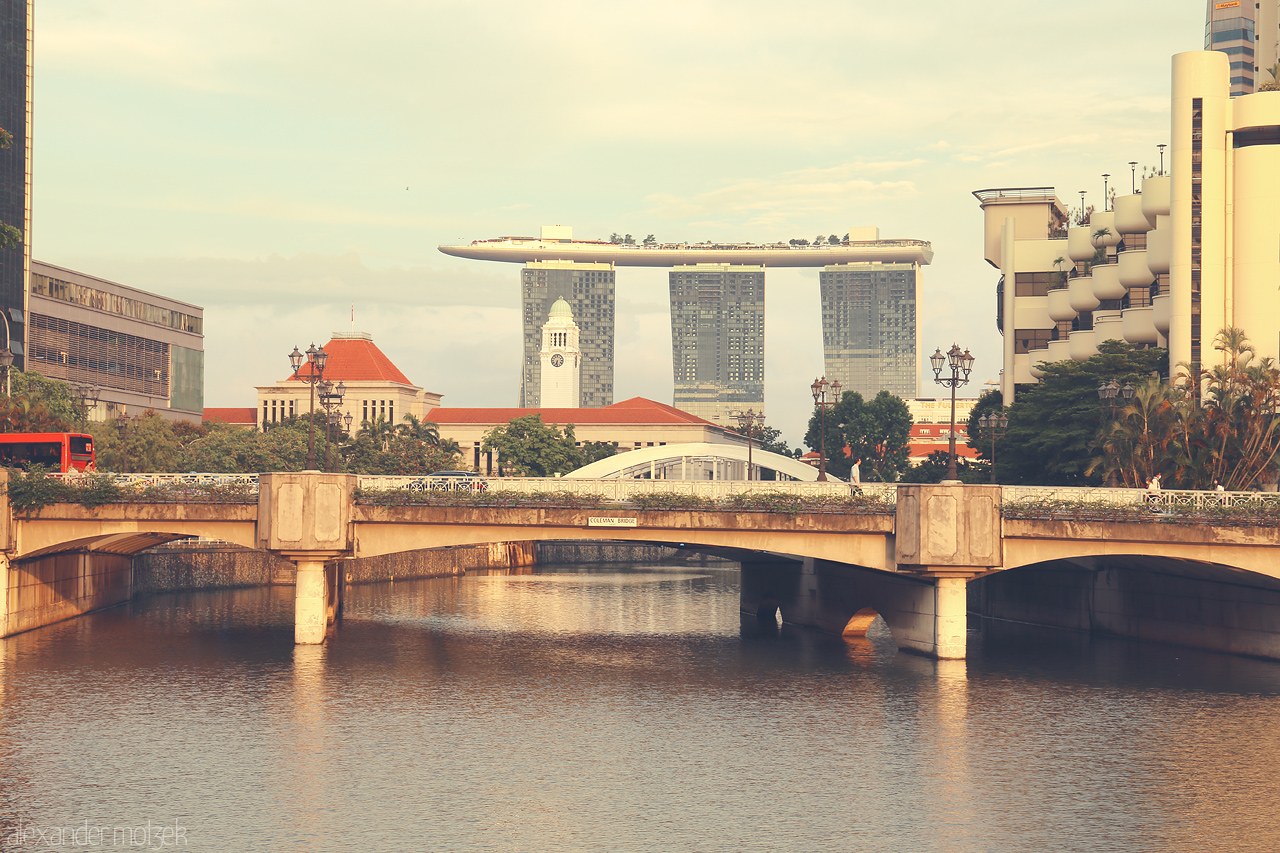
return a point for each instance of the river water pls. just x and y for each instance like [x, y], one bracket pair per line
[614, 709]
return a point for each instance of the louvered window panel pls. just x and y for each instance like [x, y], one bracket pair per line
[61, 349]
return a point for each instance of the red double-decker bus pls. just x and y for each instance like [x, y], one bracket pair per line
[58, 451]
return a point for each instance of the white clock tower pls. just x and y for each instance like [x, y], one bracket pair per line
[561, 360]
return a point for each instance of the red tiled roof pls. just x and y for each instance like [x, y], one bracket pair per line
[637, 410]
[356, 360]
[963, 451]
[232, 415]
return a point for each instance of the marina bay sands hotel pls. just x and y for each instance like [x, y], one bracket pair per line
[870, 290]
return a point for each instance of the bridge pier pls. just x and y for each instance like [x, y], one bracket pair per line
[945, 536]
[306, 518]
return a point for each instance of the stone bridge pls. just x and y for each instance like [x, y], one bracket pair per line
[1202, 584]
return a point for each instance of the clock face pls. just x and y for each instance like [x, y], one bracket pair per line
[557, 360]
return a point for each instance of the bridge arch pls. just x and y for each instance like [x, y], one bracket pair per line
[683, 461]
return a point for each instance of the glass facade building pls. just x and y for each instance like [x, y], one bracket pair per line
[15, 166]
[717, 339]
[589, 290]
[870, 336]
[143, 351]
[1249, 33]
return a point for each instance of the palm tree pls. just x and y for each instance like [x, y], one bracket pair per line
[419, 430]
[378, 430]
[1272, 85]
[1137, 445]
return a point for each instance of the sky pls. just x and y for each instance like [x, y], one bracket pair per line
[279, 163]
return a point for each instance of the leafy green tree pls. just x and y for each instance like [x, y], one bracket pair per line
[225, 449]
[878, 433]
[1053, 424]
[528, 447]
[990, 402]
[39, 404]
[594, 451]
[770, 439]
[833, 240]
[934, 470]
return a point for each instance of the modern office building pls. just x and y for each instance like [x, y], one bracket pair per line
[870, 334]
[15, 169]
[141, 351]
[717, 339]
[588, 288]
[1248, 33]
[1195, 251]
[582, 271]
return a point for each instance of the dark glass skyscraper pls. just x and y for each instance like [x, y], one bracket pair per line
[15, 167]
[869, 333]
[717, 339]
[589, 290]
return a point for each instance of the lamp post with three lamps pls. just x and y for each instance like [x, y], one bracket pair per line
[331, 399]
[748, 421]
[961, 364]
[825, 395]
[1113, 397]
[315, 360]
[993, 426]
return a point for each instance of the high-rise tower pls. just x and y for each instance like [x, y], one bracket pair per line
[870, 337]
[717, 339]
[15, 168]
[561, 360]
[1249, 33]
[588, 289]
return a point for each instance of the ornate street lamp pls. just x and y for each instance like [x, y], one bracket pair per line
[315, 360]
[825, 395]
[993, 426]
[1113, 397]
[331, 399]
[747, 422]
[961, 364]
[1105, 177]
[1133, 176]
[86, 395]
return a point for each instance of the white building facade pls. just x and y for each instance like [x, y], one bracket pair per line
[561, 356]
[1196, 250]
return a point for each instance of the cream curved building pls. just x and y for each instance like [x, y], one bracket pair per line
[1196, 249]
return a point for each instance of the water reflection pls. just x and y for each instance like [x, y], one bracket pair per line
[623, 709]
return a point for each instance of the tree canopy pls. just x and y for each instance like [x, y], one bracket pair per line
[530, 448]
[1053, 425]
[877, 432]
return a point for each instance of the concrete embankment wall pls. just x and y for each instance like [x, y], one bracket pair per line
[438, 562]
[1204, 607]
[60, 586]
[183, 567]
[188, 567]
[553, 552]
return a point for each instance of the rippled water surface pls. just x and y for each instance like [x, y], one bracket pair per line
[617, 710]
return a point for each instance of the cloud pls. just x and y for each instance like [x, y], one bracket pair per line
[313, 279]
[789, 196]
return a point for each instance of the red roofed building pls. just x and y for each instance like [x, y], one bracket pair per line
[375, 387]
[241, 416]
[633, 424]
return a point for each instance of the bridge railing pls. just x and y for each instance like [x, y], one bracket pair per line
[1209, 505]
[623, 490]
[176, 480]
